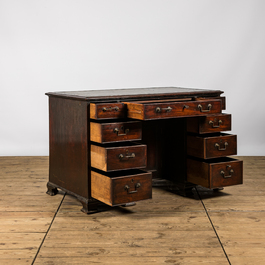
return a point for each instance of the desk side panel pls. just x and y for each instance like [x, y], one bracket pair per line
[69, 154]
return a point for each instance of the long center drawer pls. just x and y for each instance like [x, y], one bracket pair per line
[179, 108]
[157, 109]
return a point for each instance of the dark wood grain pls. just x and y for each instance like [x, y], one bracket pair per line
[115, 132]
[148, 111]
[69, 147]
[136, 93]
[205, 146]
[109, 158]
[208, 173]
[218, 180]
[151, 138]
[101, 111]
[118, 189]
[209, 123]
[103, 119]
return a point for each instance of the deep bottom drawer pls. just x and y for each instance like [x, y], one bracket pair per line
[116, 188]
[215, 173]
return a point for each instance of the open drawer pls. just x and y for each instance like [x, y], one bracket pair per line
[163, 109]
[211, 145]
[117, 188]
[215, 173]
[209, 124]
[115, 131]
[119, 156]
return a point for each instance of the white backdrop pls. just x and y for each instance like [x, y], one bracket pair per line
[56, 45]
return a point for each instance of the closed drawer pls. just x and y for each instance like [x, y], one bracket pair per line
[115, 132]
[121, 187]
[100, 111]
[209, 124]
[118, 157]
[211, 145]
[172, 109]
[215, 173]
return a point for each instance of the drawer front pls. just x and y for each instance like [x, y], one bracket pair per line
[209, 124]
[215, 173]
[211, 146]
[115, 132]
[119, 190]
[100, 111]
[118, 158]
[164, 110]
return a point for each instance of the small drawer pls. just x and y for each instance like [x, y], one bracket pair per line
[100, 111]
[117, 188]
[215, 173]
[115, 132]
[209, 123]
[211, 145]
[118, 156]
[172, 109]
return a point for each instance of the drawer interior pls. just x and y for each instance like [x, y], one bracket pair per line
[121, 173]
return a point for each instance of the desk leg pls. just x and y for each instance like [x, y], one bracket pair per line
[51, 189]
[89, 206]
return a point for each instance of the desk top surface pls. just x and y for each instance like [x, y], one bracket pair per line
[134, 93]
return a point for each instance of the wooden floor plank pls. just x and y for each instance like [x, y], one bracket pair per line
[235, 203]
[16, 261]
[20, 240]
[26, 212]
[21, 253]
[134, 223]
[238, 215]
[243, 260]
[122, 239]
[60, 252]
[169, 229]
[134, 260]
[162, 202]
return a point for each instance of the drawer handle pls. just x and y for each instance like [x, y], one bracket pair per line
[215, 126]
[127, 187]
[158, 109]
[116, 130]
[110, 109]
[231, 171]
[219, 147]
[206, 110]
[121, 156]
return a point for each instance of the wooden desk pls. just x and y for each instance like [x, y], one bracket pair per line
[110, 145]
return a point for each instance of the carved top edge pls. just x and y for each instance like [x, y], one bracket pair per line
[135, 93]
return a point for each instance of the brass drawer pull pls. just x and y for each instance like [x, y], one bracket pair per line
[110, 109]
[219, 147]
[158, 109]
[231, 171]
[215, 126]
[127, 187]
[206, 110]
[121, 156]
[126, 131]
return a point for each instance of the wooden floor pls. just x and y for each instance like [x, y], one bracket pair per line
[226, 227]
